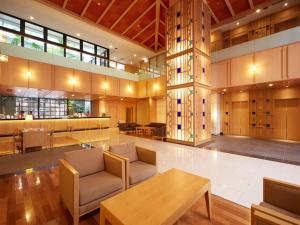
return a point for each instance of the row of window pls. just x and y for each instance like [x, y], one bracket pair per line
[50, 108]
[23, 33]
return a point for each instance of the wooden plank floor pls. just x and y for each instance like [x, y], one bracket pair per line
[33, 199]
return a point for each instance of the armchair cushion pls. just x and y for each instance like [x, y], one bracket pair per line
[140, 171]
[97, 185]
[279, 210]
[127, 150]
[86, 161]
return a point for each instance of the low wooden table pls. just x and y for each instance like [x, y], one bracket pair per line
[160, 200]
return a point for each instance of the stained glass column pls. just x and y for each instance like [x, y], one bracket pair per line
[188, 72]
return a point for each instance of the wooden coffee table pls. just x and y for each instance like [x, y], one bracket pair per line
[160, 200]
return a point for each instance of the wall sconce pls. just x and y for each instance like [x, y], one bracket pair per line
[129, 89]
[73, 81]
[254, 69]
[3, 58]
[28, 74]
[156, 86]
[105, 86]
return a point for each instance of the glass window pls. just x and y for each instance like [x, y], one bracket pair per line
[102, 62]
[88, 58]
[55, 37]
[33, 44]
[120, 66]
[9, 22]
[55, 50]
[101, 51]
[10, 38]
[73, 42]
[72, 54]
[113, 64]
[87, 47]
[34, 30]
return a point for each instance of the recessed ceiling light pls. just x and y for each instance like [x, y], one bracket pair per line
[286, 4]
[72, 95]
[99, 3]
[121, 99]
[110, 46]
[31, 17]
[134, 55]
[237, 23]
[241, 91]
[224, 90]
[257, 11]
[145, 59]
[78, 35]
[131, 63]
[270, 85]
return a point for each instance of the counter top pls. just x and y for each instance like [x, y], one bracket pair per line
[100, 117]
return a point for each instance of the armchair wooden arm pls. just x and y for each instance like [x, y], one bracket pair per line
[146, 155]
[116, 166]
[263, 216]
[282, 194]
[69, 188]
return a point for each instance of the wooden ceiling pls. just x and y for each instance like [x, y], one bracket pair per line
[143, 21]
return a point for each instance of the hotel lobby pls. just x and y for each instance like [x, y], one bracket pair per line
[149, 112]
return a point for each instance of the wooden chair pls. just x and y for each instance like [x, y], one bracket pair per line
[88, 177]
[17, 141]
[140, 163]
[281, 204]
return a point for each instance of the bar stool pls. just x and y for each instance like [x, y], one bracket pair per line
[17, 141]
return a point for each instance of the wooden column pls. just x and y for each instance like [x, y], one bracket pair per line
[188, 72]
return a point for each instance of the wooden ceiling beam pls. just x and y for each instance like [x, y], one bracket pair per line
[230, 7]
[105, 11]
[164, 5]
[243, 14]
[251, 4]
[212, 13]
[137, 19]
[147, 39]
[145, 28]
[65, 3]
[161, 35]
[123, 14]
[157, 15]
[163, 22]
[86, 7]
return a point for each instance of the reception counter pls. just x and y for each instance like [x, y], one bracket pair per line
[8, 127]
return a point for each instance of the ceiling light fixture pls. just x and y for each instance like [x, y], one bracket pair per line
[237, 23]
[270, 85]
[257, 11]
[110, 46]
[3, 58]
[224, 89]
[31, 17]
[286, 4]
[134, 55]
[28, 74]
[145, 60]
[78, 35]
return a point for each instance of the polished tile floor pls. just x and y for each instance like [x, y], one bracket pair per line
[234, 177]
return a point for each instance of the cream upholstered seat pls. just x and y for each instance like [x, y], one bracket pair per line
[88, 177]
[281, 204]
[140, 162]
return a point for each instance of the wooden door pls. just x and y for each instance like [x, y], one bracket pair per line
[292, 116]
[235, 118]
[279, 122]
[244, 118]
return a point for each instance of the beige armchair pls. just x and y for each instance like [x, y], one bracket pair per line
[281, 204]
[88, 177]
[140, 163]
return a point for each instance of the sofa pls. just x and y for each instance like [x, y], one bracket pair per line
[127, 127]
[280, 205]
[159, 131]
[88, 177]
[140, 163]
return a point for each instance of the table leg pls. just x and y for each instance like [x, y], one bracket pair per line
[208, 203]
[102, 218]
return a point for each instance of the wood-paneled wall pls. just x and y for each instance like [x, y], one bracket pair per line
[265, 113]
[277, 64]
[51, 77]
